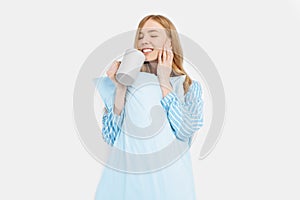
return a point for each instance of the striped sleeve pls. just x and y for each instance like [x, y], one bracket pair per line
[112, 124]
[185, 117]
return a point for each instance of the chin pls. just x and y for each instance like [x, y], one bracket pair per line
[151, 57]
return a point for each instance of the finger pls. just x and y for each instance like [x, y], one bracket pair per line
[159, 56]
[117, 66]
[164, 54]
[118, 63]
[168, 44]
[113, 68]
[171, 55]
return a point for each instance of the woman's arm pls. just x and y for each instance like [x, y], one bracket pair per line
[119, 99]
[185, 118]
[112, 119]
[112, 124]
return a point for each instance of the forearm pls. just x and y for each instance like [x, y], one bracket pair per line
[184, 121]
[185, 118]
[119, 99]
[165, 86]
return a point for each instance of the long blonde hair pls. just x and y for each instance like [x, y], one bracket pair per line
[177, 68]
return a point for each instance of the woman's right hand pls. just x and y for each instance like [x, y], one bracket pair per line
[111, 73]
[120, 88]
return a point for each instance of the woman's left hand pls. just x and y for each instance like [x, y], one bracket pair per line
[164, 69]
[165, 61]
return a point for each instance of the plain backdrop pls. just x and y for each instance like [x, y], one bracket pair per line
[255, 46]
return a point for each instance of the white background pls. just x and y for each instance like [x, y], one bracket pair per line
[254, 44]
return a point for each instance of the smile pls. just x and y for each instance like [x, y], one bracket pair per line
[147, 50]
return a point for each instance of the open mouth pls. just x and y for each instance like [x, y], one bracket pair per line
[147, 50]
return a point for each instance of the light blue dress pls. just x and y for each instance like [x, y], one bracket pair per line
[182, 117]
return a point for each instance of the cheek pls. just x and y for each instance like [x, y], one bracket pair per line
[155, 53]
[158, 44]
[152, 56]
[138, 44]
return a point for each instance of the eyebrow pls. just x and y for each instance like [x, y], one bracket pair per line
[150, 31]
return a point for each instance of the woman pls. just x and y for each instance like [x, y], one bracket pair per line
[180, 99]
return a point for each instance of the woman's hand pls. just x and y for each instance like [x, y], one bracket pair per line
[164, 68]
[165, 61]
[120, 88]
[111, 73]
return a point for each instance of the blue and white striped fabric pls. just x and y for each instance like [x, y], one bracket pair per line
[185, 117]
[181, 116]
[111, 125]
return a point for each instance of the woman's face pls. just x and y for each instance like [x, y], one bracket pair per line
[152, 38]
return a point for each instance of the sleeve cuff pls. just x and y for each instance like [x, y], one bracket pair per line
[167, 100]
[117, 119]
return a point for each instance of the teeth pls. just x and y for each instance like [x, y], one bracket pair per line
[147, 50]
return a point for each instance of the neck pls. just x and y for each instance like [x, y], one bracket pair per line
[152, 65]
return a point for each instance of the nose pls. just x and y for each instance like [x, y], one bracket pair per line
[144, 40]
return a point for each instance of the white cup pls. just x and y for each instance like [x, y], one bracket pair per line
[130, 66]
